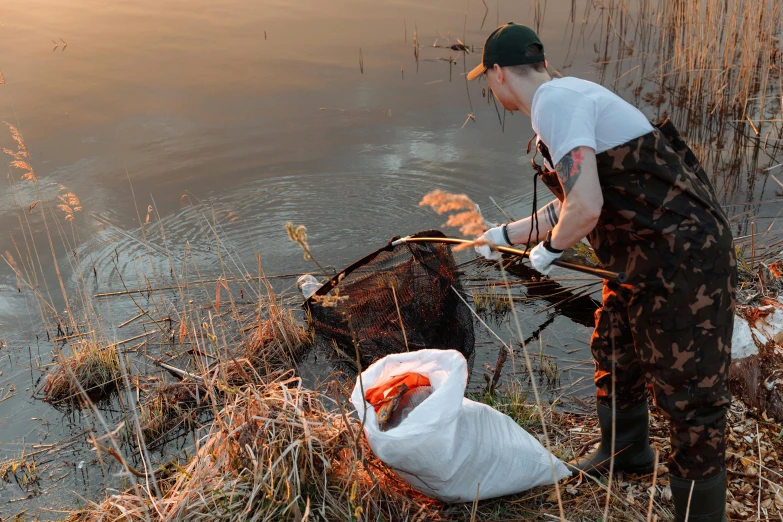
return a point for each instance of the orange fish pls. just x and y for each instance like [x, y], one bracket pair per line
[389, 405]
[386, 396]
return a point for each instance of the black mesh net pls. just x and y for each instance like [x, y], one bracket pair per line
[413, 282]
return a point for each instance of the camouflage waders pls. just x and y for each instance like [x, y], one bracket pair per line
[671, 324]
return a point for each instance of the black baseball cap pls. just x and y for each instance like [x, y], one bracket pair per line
[506, 46]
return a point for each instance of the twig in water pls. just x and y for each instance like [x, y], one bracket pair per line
[126, 341]
[129, 321]
[73, 336]
[176, 372]
[186, 283]
[502, 211]
[492, 384]
[752, 125]
[113, 453]
[416, 46]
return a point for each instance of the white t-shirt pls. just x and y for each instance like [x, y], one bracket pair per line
[568, 112]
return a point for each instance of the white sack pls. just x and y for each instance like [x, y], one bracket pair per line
[449, 444]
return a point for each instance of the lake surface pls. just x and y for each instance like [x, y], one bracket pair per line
[259, 112]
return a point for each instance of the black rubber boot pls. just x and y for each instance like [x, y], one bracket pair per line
[707, 502]
[633, 453]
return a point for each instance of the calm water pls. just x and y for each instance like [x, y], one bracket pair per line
[258, 108]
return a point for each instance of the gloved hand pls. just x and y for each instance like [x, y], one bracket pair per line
[541, 257]
[497, 237]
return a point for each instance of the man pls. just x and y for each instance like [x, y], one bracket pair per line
[648, 209]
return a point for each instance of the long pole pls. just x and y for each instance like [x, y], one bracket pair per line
[620, 277]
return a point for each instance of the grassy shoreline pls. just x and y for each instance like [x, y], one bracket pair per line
[278, 451]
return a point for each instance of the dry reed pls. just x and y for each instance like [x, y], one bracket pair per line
[96, 368]
[274, 453]
[21, 155]
[469, 221]
[712, 66]
[278, 341]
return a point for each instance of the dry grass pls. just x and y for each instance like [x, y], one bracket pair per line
[278, 341]
[274, 343]
[95, 367]
[274, 453]
[278, 451]
[168, 407]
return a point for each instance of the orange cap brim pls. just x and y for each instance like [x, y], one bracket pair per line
[477, 71]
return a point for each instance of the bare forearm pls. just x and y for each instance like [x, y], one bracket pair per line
[574, 224]
[519, 232]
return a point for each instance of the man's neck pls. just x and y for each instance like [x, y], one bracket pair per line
[525, 90]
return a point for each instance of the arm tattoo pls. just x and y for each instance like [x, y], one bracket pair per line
[550, 213]
[569, 168]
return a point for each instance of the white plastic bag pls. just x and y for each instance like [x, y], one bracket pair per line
[449, 445]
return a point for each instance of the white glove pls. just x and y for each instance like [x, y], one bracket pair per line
[495, 236]
[541, 258]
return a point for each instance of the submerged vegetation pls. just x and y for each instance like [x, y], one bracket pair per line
[22, 470]
[493, 300]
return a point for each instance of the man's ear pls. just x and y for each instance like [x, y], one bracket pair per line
[546, 65]
[501, 77]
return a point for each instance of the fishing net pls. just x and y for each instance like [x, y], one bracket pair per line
[396, 299]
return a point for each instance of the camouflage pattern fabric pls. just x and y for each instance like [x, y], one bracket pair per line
[669, 328]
